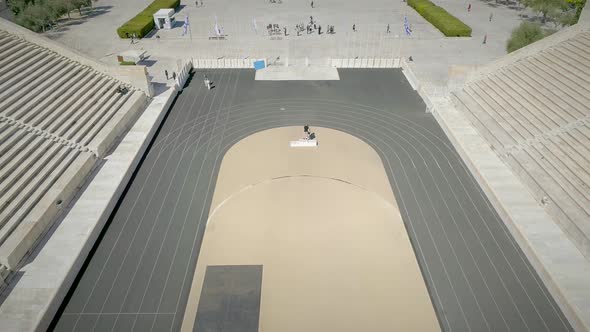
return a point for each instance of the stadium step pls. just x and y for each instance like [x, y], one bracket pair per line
[60, 187]
[103, 136]
[83, 134]
[95, 101]
[9, 66]
[40, 116]
[42, 88]
[47, 95]
[25, 90]
[533, 98]
[551, 78]
[558, 104]
[550, 177]
[24, 186]
[516, 101]
[66, 110]
[550, 63]
[25, 201]
[89, 118]
[485, 124]
[579, 53]
[560, 167]
[18, 149]
[22, 81]
[9, 45]
[498, 112]
[568, 63]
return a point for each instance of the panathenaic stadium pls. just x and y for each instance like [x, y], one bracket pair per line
[382, 177]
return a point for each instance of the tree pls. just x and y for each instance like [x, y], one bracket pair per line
[526, 33]
[576, 6]
[36, 17]
[79, 4]
[548, 8]
[18, 6]
[59, 7]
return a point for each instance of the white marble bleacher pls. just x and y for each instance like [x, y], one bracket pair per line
[535, 113]
[57, 119]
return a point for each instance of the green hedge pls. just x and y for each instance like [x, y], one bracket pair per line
[448, 24]
[127, 63]
[143, 22]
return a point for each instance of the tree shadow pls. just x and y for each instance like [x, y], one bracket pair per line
[87, 13]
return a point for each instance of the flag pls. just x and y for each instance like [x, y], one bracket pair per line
[407, 26]
[254, 25]
[185, 26]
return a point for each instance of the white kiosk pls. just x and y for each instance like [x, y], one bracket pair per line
[164, 18]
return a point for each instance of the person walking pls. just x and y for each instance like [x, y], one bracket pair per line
[207, 82]
[319, 29]
[469, 8]
[166, 72]
[354, 28]
[388, 29]
[491, 16]
[285, 28]
[312, 4]
[174, 75]
[485, 38]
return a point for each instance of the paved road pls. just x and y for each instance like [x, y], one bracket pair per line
[139, 275]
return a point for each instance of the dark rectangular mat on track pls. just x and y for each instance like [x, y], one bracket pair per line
[230, 299]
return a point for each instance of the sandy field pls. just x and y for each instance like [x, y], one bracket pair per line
[324, 224]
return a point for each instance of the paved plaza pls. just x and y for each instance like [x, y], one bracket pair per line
[432, 52]
[139, 275]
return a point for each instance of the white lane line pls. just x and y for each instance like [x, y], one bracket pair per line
[130, 245]
[119, 235]
[202, 211]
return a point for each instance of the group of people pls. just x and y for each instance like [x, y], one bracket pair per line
[168, 76]
[307, 134]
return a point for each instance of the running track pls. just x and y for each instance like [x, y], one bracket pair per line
[139, 275]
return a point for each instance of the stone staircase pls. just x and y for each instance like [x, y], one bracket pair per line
[57, 119]
[535, 113]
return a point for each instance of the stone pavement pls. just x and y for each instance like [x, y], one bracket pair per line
[96, 36]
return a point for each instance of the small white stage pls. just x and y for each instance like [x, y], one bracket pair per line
[304, 143]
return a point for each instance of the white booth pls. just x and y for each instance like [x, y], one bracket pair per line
[164, 18]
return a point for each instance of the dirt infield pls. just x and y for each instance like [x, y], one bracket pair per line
[325, 227]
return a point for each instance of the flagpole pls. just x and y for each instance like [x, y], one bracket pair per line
[190, 31]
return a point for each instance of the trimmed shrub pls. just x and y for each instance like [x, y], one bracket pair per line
[127, 63]
[526, 33]
[143, 22]
[448, 24]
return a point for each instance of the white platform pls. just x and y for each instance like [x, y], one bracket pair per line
[280, 73]
[304, 143]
